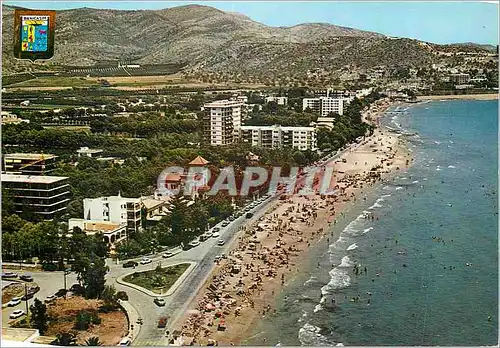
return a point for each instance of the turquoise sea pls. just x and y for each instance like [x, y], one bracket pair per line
[431, 254]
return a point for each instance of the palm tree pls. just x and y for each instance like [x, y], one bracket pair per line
[93, 341]
[65, 339]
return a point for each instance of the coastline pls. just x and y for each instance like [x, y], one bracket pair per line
[282, 237]
[485, 96]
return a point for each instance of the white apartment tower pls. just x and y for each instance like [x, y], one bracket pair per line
[222, 122]
[324, 105]
[117, 209]
[301, 138]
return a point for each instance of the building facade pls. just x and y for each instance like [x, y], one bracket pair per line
[301, 138]
[37, 196]
[113, 233]
[278, 100]
[29, 163]
[459, 78]
[116, 209]
[324, 105]
[221, 122]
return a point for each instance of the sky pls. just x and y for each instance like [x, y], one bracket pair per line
[432, 21]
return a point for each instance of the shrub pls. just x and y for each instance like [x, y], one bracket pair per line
[85, 318]
[122, 295]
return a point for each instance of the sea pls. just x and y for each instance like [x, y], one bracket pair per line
[427, 264]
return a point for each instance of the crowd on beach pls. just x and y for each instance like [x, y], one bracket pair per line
[265, 256]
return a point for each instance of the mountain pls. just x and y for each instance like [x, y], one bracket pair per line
[206, 39]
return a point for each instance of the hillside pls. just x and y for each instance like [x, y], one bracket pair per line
[206, 39]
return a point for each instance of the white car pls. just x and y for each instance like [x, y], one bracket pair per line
[145, 261]
[50, 298]
[221, 242]
[125, 342]
[215, 235]
[14, 302]
[194, 243]
[16, 314]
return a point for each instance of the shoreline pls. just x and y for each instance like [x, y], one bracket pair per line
[269, 252]
[484, 96]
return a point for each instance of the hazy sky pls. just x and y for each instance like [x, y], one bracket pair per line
[439, 22]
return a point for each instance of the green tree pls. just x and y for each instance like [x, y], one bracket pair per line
[39, 317]
[94, 277]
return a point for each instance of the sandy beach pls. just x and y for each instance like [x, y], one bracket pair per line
[486, 96]
[267, 254]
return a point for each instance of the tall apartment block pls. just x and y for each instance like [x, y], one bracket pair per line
[222, 121]
[41, 195]
[29, 163]
[301, 138]
[117, 209]
[324, 105]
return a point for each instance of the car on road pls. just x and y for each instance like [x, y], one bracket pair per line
[50, 299]
[7, 275]
[159, 302]
[16, 314]
[221, 242]
[26, 278]
[14, 302]
[162, 323]
[215, 235]
[130, 264]
[146, 260]
[204, 237]
[126, 341]
[215, 229]
[168, 254]
[194, 243]
[231, 218]
[249, 215]
[225, 223]
[219, 257]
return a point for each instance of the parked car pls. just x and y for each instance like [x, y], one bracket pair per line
[14, 302]
[159, 302]
[26, 278]
[34, 289]
[204, 237]
[231, 218]
[130, 264]
[215, 229]
[162, 323]
[249, 215]
[8, 275]
[221, 242]
[225, 223]
[146, 260]
[16, 314]
[194, 243]
[215, 235]
[77, 289]
[168, 254]
[61, 292]
[125, 342]
[50, 298]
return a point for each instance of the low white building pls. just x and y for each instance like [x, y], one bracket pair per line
[278, 100]
[87, 152]
[113, 233]
[302, 138]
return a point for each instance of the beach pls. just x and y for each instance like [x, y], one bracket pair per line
[485, 96]
[268, 253]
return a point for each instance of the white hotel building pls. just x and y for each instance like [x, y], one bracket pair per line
[301, 138]
[116, 209]
[325, 105]
[222, 121]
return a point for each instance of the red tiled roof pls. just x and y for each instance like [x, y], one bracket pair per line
[199, 161]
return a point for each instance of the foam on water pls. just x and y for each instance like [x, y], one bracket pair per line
[450, 166]
[352, 247]
[366, 230]
[310, 335]
[312, 279]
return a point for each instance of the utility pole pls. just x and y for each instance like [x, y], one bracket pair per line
[65, 283]
[26, 297]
